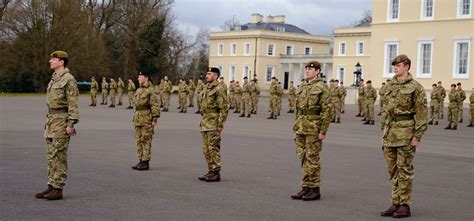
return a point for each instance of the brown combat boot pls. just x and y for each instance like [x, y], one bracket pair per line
[41, 195]
[338, 120]
[470, 125]
[137, 165]
[213, 177]
[460, 121]
[55, 194]
[144, 166]
[248, 115]
[372, 122]
[436, 123]
[367, 122]
[448, 127]
[203, 177]
[271, 116]
[312, 194]
[455, 127]
[358, 115]
[390, 210]
[402, 212]
[430, 123]
[242, 115]
[300, 194]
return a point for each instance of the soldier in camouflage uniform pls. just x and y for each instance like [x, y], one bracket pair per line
[183, 91]
[245, 102]
[254, 93]
[343, 97]
[222, 82]
[94, 87]
[453, 108]
[443, 96]
[310, 128]
[215, 109]
[273, 99]
[471, 100]
[435, 105]
[370, 97]
[131, 93]
[336, 102]
[192, 89]
[462, 96]
[404, 121]
[104, 86]
[237, 96]
[166, 93]
[199, 89]
[361, 99]
[381, 94]
[112, 92]
[145, 118]
[120, 87]
[291, 98]
[63, 113]
[157, 91]
[279, 98]
[231, 95]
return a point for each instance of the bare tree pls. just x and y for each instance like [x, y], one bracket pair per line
[366, 19]
[230, 24]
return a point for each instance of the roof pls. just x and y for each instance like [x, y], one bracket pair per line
[272, 27]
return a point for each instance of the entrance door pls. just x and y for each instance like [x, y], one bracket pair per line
[285, 80]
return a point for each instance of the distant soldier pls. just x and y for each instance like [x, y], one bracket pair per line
[120, 87]
[291, 98]
[336, 102]
[112, 92]
[361, 99]
[471, 100]
[435, 105]
[231, 95]
[254, 93]
[310, 128]
[382, 97]
[192, 89]
[63, 113]
[370, 97]
[94, 88]
[199, 90]
[462, 97]
[343, 97]
[160, 99]
[279, 98]
[222, 82]
[215, 109]
[237, 96]
[131, 93]
[405, 121]
[145, 118]
[443, 95]
[183, 91]
[273, 99]
[245, 102]
[166, 93]
[104, 87]
[453, 108]
[157, 91]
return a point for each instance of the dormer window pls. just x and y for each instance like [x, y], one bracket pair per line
[280, 29]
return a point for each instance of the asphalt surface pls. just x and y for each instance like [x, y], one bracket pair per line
[260, 169]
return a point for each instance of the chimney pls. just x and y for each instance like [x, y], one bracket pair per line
[279, 19]
[256, 18]
[270, 19]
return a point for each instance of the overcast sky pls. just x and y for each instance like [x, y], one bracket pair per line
[314, 16]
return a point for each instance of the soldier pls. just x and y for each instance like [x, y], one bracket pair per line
[361, 99]
[94, 87]
[435, 105]
[112, 92]
[215, 109]
[443, 95]
[254, 93]
[279, 98]
[462, 96]
[311, 125]
[183, 91]
[336, 101]
[453, 108]
[273, 99]
[192, 89]
[381, 94]
[471, 100]
[199, 89]
[237, 96]
[221, 81]
[370, 97]
[63, 113]
[404, 123]
[104, 86]
[157, 91]
[231, 95]
[291, 98]
[120, 87]
[166, 93]
[160, 100]
[343, 97]
[145, 119]
[245, 98]
[131, 93]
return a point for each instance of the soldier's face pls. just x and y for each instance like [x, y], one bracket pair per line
[401, 69]
[211, 77]
[142, 79]
[311, 73]
[55, 63]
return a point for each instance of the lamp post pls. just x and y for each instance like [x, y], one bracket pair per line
[357, 74]
[255, 76]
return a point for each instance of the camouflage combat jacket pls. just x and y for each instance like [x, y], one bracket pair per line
[454, 98]
[370, 94]
[361, 91]
[312, 108]
[131, 87]
[254, 90]
[166, 88]
[246, 90]
[405, 112]
[231, 90]
[291, 90]
[94, 87]
[335, 94]
[62, 95]
[343, 91]
[435, 97]
[237, 90]
[104, 85]
[120, 86]
[471, 100]
[112, 88]
[273, 90]
[192, 86]
[146, 106]
[183, 89]
[214, 106]
[224, 86]
[199, 88]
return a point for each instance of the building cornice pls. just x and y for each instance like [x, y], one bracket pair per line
[269, 35]
[424, 21]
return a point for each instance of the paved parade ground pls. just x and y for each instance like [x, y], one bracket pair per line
[260, 169]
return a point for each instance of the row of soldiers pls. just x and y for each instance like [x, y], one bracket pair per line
[111, 91]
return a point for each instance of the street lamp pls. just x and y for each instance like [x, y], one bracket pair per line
[357, 74]
[255, 76]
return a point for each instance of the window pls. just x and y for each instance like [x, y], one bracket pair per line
[220, 49]
[461, 58]
[427, 9]
[342, 48]
[340, 74]
[391, 51]
[245, 70]
[425, 59]
[464, 8]
[308, 50]
[280, 29]
[247, 49]
[271, 50]
[269, 73]
[360, 48]
[233, 49]
[393, 10]
[231, 72]
[289, 49]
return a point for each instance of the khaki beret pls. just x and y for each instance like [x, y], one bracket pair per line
[401, 59]
[59, 54]
[313, 64]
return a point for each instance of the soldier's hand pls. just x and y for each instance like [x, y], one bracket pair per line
[415, 143]
[321, 136]
[220, 129]
[70, 131]
[154, 123]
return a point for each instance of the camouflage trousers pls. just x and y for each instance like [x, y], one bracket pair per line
[119, 96]
[237, 101]
[472, 114]
[308, 148]
[94, 98]
[274, 105]
[254, 99]
[166, 100]
[461, 111]
[57, 161]
[191, 97]
[336, 109]
[198, 102]
[434, 112]
[441, 110]
[291, 102]
[246, 108]
[369, 109]
[453, 115]
[143, 138]
[381, 104]
[211, 148]
[360, 103]
[279, 105]
[343, 104]
[231, 100]
[182, 102]
[112, 99]
[400, 170]
[159, 98]
[130, 99]
[104, 96]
